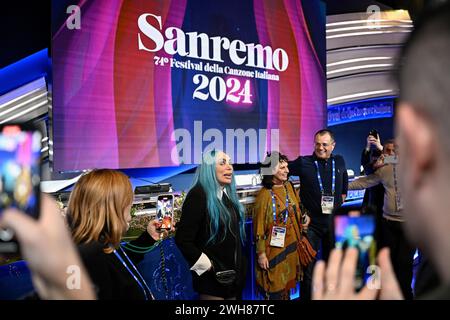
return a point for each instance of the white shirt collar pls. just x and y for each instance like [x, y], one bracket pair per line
[221, 191]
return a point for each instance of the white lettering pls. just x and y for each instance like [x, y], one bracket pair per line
[260, 50]
[151, 32]
[186, 310]
[284, 59]
[238, 143]
[240, 135]
[195, 45]
[217, 144]
[74, 280]
[74, 20]
[177, 45]
[237, 46]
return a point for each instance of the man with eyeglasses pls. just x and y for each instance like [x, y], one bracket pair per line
[323, 187]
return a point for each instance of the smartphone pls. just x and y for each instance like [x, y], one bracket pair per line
[358, 231]
[20, 175]
[165, 210]
[374, 133]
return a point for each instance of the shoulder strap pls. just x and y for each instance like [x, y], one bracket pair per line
[301, 207]
[297, 195]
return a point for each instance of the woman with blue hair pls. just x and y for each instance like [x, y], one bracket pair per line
[211, 232]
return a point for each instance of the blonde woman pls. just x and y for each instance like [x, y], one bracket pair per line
[99, 214]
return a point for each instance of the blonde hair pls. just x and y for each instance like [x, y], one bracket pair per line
[97, 205]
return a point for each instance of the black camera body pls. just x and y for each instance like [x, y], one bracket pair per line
[374, 151]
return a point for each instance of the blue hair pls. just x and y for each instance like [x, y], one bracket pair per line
[205, 176]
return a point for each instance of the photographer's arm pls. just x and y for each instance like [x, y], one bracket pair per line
[295, 167]
[50, 253]
[335, 280]
[364, 182]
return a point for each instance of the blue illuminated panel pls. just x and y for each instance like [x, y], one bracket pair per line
[355, 194]
[33, 67]
[361, 110]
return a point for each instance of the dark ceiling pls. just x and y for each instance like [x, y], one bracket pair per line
[25, 25]
[347, 6]
[24, 29]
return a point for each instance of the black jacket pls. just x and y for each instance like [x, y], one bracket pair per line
[310, 194]
[192, 235]
[111, 279]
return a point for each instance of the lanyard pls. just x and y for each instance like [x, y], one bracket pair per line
[134, 276]
[398, 203]
[274, 208]
[333, 183]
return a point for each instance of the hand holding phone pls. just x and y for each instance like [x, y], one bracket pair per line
[357, 231]
[373, 141]
[20, 149]
[48, 248]
[155, 231]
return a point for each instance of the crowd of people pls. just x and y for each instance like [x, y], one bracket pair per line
[292, 229]
[422, 119]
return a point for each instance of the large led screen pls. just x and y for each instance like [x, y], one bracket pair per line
[143, 83]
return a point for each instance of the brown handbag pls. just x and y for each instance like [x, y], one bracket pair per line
[305, 251]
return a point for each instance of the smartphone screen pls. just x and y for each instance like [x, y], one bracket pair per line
[20, 150]
[165, 210]
[357, 232]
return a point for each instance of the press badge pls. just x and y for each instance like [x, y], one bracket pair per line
[327, 204]
[278, 236]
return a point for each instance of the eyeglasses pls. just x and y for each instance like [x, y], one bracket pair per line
[325, 145]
